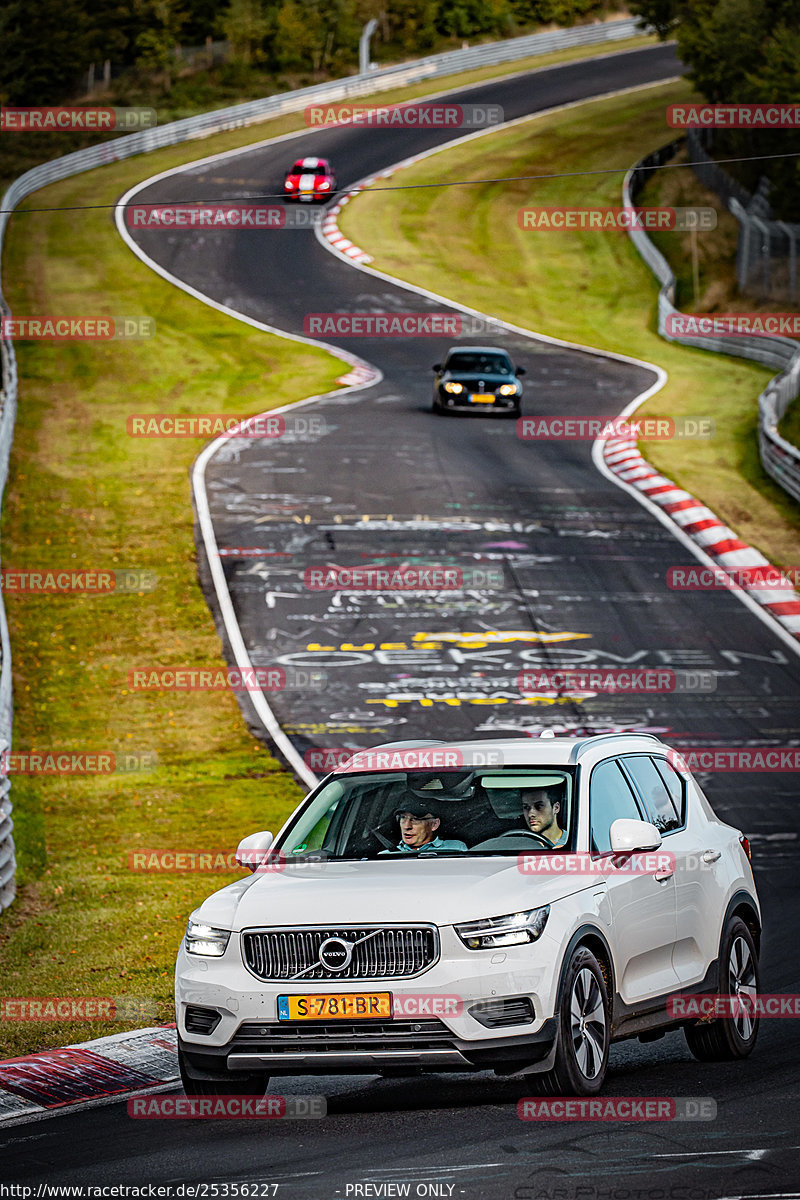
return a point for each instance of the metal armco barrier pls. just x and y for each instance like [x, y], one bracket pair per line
[779, 458]
[235, 117]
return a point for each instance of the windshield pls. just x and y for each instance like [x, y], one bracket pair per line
[487, 812]
[475, 364]
[316, 167]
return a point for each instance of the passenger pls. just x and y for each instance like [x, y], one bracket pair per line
[540, 808]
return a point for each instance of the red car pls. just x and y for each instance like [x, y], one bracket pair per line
[309, 179]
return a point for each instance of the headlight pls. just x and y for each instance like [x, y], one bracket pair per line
[512, 930]
[325, 184]
[453, 387]
[508, 389]
[205, 939]
[288, 185]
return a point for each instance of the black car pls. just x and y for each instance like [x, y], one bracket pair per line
[479, 378]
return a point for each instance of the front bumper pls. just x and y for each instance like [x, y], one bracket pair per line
[322, 1048]
[460, 402]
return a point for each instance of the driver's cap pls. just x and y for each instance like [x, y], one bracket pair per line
[417, 808]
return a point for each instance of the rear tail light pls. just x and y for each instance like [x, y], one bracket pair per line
[745, 844]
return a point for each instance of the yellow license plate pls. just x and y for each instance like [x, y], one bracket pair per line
[347, 1006]
[481, 398]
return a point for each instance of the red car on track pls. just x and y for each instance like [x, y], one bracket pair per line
[309, 179]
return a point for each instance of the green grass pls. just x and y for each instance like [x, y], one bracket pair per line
[585, 287]
[789, 424]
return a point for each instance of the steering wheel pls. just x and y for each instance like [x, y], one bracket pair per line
[545, 844]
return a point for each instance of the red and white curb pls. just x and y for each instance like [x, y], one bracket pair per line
[330, 227]
[621, 455]
[99, 1071]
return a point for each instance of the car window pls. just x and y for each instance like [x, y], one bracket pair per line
[610, 797]
[492, 364]
[354, 816]
[653, 792]
[675, 787]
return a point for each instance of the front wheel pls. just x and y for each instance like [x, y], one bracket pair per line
[236, 1084]
[732, 1037]
[584, 1031]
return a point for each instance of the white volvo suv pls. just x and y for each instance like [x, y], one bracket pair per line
[505, 905]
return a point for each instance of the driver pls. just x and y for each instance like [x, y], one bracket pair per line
[540, 808]
[418, 825]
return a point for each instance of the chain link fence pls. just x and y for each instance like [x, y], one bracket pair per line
[234, 117]
[779, 458]
[766, 251]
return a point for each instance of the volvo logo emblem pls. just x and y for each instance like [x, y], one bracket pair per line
[335, 954]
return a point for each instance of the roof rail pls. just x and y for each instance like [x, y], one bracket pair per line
[586, 743]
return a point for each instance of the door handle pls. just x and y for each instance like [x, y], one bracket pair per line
[711, 856]
[663, 876]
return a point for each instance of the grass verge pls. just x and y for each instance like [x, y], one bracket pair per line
[586, 287]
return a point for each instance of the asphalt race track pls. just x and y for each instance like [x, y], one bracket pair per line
[568, 569]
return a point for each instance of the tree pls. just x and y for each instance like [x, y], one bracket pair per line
[246, 26]
[44, 52]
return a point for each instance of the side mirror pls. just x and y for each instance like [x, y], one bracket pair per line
[252, 850]
[627, 836]
[436, 367]
[520, 371]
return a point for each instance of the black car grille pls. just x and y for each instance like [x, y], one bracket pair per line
[316, 1037]
[379, 952]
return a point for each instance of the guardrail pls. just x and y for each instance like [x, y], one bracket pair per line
[779, 458]
[236, 116]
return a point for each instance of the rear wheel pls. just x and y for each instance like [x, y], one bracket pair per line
[584, 1032]
[235, 1084]
[735, 1036]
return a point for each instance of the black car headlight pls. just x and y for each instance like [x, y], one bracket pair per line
[512, 930]
[455, 388]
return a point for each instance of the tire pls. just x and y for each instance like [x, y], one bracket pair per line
[237, 1083]
[582, 1051]
[729, 1038]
